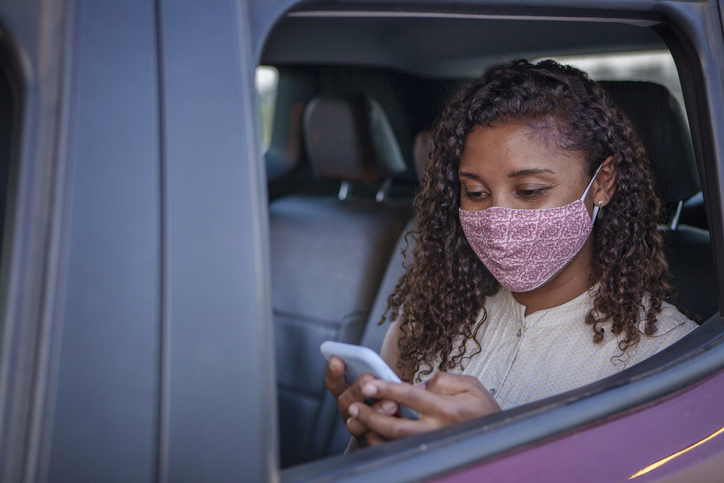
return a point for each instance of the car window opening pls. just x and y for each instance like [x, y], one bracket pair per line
[365, 128]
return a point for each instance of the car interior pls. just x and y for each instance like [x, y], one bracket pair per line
[356, 98]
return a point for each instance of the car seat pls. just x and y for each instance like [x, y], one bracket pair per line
[659, 120]
[374, 332]
[328, 255]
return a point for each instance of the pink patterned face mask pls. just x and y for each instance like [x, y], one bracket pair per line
[523, 249]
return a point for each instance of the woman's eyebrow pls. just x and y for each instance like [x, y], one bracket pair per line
[527, 172]
[465, 174]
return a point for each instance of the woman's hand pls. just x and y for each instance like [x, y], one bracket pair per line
[347, 394]
[444, 400]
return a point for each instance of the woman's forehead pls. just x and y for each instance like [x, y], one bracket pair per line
[513, 147]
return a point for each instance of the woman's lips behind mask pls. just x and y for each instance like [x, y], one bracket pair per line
[523, 249]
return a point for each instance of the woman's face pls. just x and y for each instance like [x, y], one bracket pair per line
[511, 166]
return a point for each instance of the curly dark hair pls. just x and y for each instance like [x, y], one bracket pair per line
[440, 297]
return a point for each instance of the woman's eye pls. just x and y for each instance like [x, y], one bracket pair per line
[474, 195]
[531, 194]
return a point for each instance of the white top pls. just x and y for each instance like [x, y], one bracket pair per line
[524, 359]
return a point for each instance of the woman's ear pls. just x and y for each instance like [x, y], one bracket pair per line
[604, 186]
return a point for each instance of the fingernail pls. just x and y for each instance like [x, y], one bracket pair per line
[369, 390]
[388, 405]
[353, 411]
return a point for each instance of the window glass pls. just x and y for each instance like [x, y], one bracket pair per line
[267, 79]
[653, 66]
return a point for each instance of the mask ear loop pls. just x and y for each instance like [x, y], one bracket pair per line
[590, 183]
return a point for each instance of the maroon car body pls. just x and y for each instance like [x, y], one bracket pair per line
[678, 439]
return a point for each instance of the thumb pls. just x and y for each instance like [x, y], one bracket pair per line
[334, 379]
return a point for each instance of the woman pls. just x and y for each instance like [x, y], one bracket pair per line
[538, 266]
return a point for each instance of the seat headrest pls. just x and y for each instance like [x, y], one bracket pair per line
[660, 123]
[350, 139]
[421, 152]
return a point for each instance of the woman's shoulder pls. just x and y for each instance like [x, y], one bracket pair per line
[671, 320]
[501, 300]
[671, 325]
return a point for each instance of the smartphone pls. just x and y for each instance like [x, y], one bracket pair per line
[359, 360]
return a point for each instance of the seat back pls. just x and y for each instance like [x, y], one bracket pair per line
[660, 122]
[328, 258]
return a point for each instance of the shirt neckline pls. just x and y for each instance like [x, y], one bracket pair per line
[547, 317]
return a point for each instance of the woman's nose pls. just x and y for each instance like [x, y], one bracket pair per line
[496, 200]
